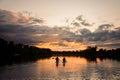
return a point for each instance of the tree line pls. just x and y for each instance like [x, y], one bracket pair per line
[91, 53]
[18, 53]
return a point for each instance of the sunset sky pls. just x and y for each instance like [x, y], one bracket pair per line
[61, 24]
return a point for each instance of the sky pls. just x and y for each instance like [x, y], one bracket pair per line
[61, 24]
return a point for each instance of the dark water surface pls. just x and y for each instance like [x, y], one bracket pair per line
[75, 68]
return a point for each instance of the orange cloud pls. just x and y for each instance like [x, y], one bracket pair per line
[15, 17]
[62, 45]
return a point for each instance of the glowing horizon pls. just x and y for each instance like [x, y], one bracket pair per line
[62, 46]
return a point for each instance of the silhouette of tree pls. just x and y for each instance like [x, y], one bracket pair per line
[17, 53]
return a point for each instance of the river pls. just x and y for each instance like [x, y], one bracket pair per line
[76, 68]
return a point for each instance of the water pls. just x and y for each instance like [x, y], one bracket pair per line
[75, 68]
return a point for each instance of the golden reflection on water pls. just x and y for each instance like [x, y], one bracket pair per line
[72, 65]
[50, 67]
[71, 62]
[76, 68]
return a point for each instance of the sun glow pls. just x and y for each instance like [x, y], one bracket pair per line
[62, 45]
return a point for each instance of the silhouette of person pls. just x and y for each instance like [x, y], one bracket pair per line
[64, 61]
[57, 61]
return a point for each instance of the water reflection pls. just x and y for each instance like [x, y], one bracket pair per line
[75, 68]
[57, 63]
[63, 61]
[92, 60]
[64, 64]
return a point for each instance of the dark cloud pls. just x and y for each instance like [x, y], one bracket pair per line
[85, 23]
[105, 27]
[59, 44]
[80, 21]
[6, 16]
[100, 35]
[112, 45]
[15, 28]
[67, 35]
[85, 31]
[36, 20]
[76, 24]
[31, 33]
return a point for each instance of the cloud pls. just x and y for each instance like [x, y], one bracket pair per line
[67, 35]
[21, 28]
[23, 33]
[110, 45]
[102, 35]
[36, 20]
[63, 45]
[12, 17]
[77, 24]
[80, 21]
[60, 43]
[85, 31]
[79, 18]
[105, 27]
[6, 16]
[85, 23]
[28, 33]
